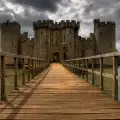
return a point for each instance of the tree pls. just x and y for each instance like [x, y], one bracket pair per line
[64, 46]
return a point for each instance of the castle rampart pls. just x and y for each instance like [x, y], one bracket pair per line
[50, 34]
[51, 24]
[98, 23]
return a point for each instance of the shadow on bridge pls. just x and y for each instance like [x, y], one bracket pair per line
[58, 93]
[14, 108]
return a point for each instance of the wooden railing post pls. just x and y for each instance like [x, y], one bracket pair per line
[79, 68]
[87, 69]
[82, 69]
[115, 82]
[29, 69]
[16, 73]
[101, 71]
[92, 71]
[36, 64]
[39, 66]
[3, 95]
[32, 68]
[74, 66]
[71, 65]
[35, 67]
[23, 66]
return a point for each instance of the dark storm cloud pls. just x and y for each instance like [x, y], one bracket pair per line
[4, 17]
[41, 5]
[96, 5]
[25, 18]
[81, 10]
[29, 18]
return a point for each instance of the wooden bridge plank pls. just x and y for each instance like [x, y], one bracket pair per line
[60, 95]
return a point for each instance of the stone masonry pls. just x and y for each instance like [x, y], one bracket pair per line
[57, 41]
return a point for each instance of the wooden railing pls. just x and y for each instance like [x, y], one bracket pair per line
[81, 66]
[31, 65]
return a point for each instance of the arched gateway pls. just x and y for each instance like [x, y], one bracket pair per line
[56, 57]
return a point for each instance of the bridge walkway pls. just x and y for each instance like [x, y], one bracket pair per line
[58, 94]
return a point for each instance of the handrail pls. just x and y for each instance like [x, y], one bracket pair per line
[114, 54]
[33, 68]
[19, 56]
[80, 67]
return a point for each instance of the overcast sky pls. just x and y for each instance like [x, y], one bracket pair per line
[28, 11]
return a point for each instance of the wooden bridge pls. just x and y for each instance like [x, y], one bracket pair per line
[57, 94]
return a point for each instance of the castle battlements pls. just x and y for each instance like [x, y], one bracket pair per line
[42, 24]
[70, 24]
[10, 24]
[52, 24]
[98, 23]
[84, 39]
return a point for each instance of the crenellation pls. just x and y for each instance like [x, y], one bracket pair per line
[42, 24]
[52, 24]
[112, 24]
[98, 23]
[88, 39]
[9, 24]
[49, 35]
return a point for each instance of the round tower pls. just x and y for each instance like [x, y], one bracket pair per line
[105, 35]
[69, 36]
[42, 36]
[10, 34]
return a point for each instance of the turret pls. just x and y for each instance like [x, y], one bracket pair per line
[10, 26]
[98, 23]
[42, 24]
[105, 35]
[70, 24]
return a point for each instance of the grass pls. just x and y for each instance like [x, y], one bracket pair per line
[9, 81]
[107, 82]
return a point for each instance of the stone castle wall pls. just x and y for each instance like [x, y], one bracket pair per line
[54, 34]
[49, 35]
[27, 45]
[10, 35]
[105, 37]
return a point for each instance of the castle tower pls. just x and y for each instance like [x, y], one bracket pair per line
[10, 34]
[42, 38]
[105, 35]
[9, 37]
[70, 36]
[48, 38]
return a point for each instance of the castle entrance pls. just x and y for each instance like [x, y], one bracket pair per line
[56, 57]
[65, 57]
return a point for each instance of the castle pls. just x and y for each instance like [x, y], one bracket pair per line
[57, 41]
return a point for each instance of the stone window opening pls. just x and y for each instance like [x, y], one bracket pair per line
[41, 32]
